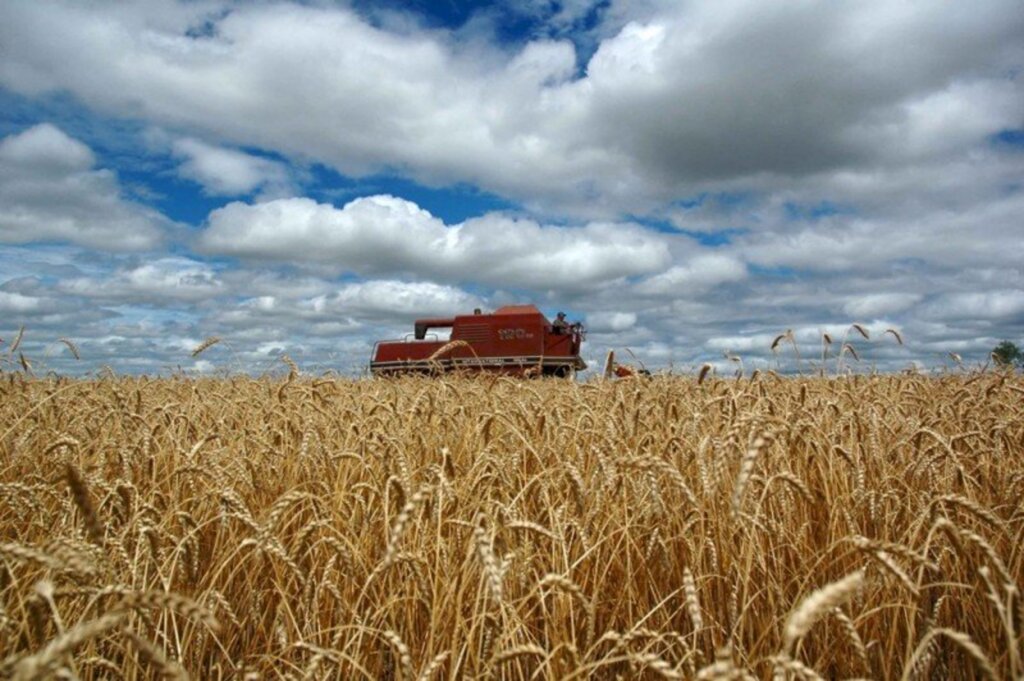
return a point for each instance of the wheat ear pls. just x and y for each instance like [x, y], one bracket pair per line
[818, 604]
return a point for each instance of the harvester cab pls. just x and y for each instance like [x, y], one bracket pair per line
[515, 339]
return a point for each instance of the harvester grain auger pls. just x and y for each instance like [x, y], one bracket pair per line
[615, 369]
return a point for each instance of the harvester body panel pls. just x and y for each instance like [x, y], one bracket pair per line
[515, 339]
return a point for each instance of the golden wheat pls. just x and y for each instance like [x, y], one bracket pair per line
[455, 527]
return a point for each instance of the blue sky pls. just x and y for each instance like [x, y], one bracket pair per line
[688, 178]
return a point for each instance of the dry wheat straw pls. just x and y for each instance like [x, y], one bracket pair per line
[447, 348]
[17, 341]
[404, 657]
[206, 344]
[80, 494]
[964, 642]
[692, 604]
[818, 604]
[42, 663]
[71, 347]
[861, 330]
[525, 650]
[298, 524]
[759, 444]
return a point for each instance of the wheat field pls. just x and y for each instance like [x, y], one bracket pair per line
[451, 528]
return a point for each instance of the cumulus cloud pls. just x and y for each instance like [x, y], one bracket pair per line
[164, 281]
[876, 304]
[980, 234]
[700, 273]
[338, 327]
[987, 305]
[599, 322]
[389, 298]
[372, 299]
[152, 313]
[757, 343]
[47, 149]
[17, 304]
[679, 95]
[384, 234]
[839, 155]
[50, 191]
[228, 172]
[202, 366]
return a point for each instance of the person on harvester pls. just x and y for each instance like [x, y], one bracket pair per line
[560, 325]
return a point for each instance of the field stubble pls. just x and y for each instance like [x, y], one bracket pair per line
[493, 528]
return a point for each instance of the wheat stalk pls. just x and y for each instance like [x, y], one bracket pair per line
[206, 344]
[816, 605]
[71, 347]
[447, 348]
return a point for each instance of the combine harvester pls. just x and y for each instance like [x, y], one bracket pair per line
[515, 339]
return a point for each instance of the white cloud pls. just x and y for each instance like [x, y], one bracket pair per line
[848, 144]
[15, 303]
[158, 282]
[997, 304]
[384, 234]
[47, 149]
[371, 299]
[698, 274]
[757, 343]
[677, 95]
[389, 298]
[981, 234]
[49, 191]
[599, 322]
[202, 366]
[228, 172]
[875, 304]
[266, 282]
[953, 118]
[156, 310]
[352, 314]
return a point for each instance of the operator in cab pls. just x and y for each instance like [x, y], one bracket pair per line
[560, 325]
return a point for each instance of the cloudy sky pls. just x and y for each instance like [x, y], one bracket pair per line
[690, 178]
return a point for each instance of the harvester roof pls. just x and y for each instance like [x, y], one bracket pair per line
[517, 309]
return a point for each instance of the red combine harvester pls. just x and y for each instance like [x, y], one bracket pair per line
[515, 339]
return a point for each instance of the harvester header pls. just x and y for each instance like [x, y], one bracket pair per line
[515, 339]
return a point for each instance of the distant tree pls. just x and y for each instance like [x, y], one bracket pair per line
[1007, 354]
